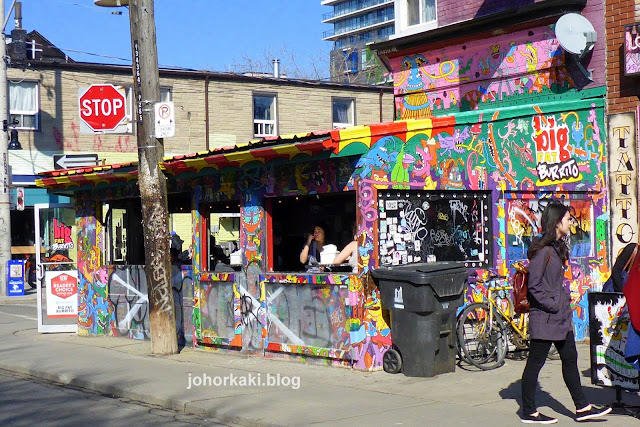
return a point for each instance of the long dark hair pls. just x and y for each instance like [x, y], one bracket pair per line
[551, 217]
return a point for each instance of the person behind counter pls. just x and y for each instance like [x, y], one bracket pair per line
[311, 251]
[349, 254]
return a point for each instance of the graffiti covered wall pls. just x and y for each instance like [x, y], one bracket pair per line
[525, 153]
[526, 127]
[112, 300]
[94, 314]
[515, 67]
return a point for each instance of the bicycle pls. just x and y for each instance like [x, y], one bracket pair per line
[485, 329]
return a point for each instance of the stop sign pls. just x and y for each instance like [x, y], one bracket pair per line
[102, 107]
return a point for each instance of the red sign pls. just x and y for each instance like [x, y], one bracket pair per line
[63, 286]
[102, 107]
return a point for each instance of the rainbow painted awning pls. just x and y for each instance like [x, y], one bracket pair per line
[350, 141]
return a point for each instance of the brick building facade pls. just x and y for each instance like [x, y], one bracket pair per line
[302, 106]
[211, 110]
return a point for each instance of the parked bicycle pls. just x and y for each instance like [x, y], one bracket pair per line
[485, 329]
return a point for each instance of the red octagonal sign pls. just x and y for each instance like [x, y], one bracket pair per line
[102, 107]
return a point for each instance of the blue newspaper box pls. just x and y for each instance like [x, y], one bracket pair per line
[15, 277]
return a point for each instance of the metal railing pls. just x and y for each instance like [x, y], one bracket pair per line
[354, 6]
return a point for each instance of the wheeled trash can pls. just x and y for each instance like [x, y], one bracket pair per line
[423, 299]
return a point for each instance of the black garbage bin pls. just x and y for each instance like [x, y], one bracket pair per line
[423, 299]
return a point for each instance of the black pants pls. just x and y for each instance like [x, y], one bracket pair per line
[537, 356]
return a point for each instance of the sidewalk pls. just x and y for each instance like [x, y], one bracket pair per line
[326, 395]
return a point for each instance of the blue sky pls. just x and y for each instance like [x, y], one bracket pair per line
[198, 34]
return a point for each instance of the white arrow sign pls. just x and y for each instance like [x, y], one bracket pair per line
[66, 161]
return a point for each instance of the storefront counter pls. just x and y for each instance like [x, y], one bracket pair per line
[308, 313]
[296, 313]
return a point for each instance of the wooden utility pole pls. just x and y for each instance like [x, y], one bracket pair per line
[151, 180]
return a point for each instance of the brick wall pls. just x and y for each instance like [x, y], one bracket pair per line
[622, 91]
[300, 109]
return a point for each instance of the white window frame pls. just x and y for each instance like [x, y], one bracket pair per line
[262, 124]
[22, 113]
[402, 27]
[166, 94]
[130, 110]
[353, 112]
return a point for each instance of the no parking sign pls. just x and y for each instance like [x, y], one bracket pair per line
[165, 122]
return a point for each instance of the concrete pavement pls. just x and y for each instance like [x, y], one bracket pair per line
[193, 381]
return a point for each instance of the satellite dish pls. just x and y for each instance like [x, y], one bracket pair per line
[575, 33]
[111, 3]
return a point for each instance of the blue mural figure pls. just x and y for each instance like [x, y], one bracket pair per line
[376, 158]
[415, 104]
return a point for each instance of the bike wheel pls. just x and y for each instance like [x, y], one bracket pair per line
[483, 343]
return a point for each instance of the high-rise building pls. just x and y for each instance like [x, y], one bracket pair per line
[357, 24]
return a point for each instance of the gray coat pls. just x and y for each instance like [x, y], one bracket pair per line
[550, 317]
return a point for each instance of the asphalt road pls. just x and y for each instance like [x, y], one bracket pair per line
[25, 401]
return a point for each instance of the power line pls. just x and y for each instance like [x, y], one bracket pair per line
[93, 54]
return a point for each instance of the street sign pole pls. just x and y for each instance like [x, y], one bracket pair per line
[5, 209]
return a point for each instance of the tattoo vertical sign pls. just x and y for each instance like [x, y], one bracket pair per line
[623, 180]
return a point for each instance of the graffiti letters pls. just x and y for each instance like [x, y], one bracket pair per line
[558, 172]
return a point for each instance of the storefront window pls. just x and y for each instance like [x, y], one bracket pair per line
[294, 218]
[123, 240]
[524, 224]
[223, 247]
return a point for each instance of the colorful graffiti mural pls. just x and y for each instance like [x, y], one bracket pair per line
[517, 133]
[218, 322]
[470, 76]
[113, 299]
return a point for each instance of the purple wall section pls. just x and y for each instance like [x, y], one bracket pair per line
[451, 12]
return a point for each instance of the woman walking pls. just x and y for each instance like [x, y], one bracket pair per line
[550, 317]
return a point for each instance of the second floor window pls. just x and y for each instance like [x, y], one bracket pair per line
[166, 94]
[24, 105]
[420, 11]
[264, 115]
[343, 112]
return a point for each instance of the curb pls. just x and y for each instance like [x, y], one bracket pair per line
[20, 299]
